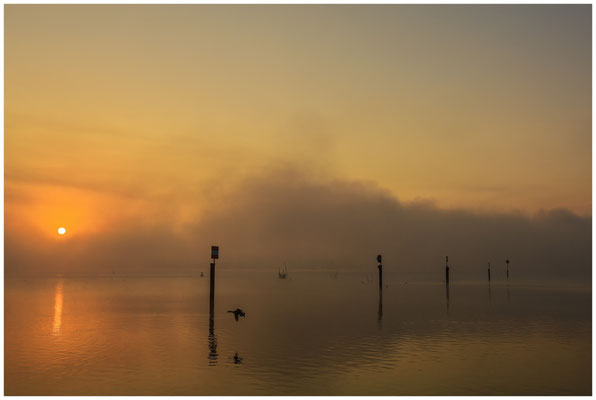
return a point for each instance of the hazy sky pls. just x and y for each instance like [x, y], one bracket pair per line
[123, 121]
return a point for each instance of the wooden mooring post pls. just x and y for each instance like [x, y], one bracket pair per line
[489, 272]
[380, 261]
[447, 270]
[214, 256]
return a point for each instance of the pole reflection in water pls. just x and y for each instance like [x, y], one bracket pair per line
[212, 342]
[57, 324]
[380, 315]
[490, 298]
[447, 296]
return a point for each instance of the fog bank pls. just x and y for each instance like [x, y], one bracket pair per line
[286, 215]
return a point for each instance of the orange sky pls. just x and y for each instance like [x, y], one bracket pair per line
[156, 113]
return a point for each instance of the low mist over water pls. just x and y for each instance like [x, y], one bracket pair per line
[288, 215]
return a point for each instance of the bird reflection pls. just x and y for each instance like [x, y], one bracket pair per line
[508, 294]
[237, 313]
[57, 325]
[212, 342]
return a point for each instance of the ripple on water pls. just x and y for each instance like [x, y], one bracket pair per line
[296, 344]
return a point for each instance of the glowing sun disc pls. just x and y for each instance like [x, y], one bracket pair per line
[61, 231]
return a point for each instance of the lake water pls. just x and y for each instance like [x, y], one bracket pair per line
[317, 333]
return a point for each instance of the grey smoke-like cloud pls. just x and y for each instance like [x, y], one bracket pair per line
[288, 215]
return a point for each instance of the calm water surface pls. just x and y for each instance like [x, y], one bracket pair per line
[317, 333]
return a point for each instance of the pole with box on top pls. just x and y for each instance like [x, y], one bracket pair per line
[214, 256]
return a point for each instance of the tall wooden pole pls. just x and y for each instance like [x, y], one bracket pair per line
[214, 256]
[212, 339]
[447, 270]
[380, 260]
[211, 287]
[489, 272]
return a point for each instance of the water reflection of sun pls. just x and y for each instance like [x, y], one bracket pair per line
[57, 326]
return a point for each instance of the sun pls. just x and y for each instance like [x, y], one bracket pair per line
[61, 231]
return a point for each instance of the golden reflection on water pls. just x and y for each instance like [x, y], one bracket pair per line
[57, 325]
[341, 338]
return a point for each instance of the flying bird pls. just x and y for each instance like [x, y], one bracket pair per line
[237, 313]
